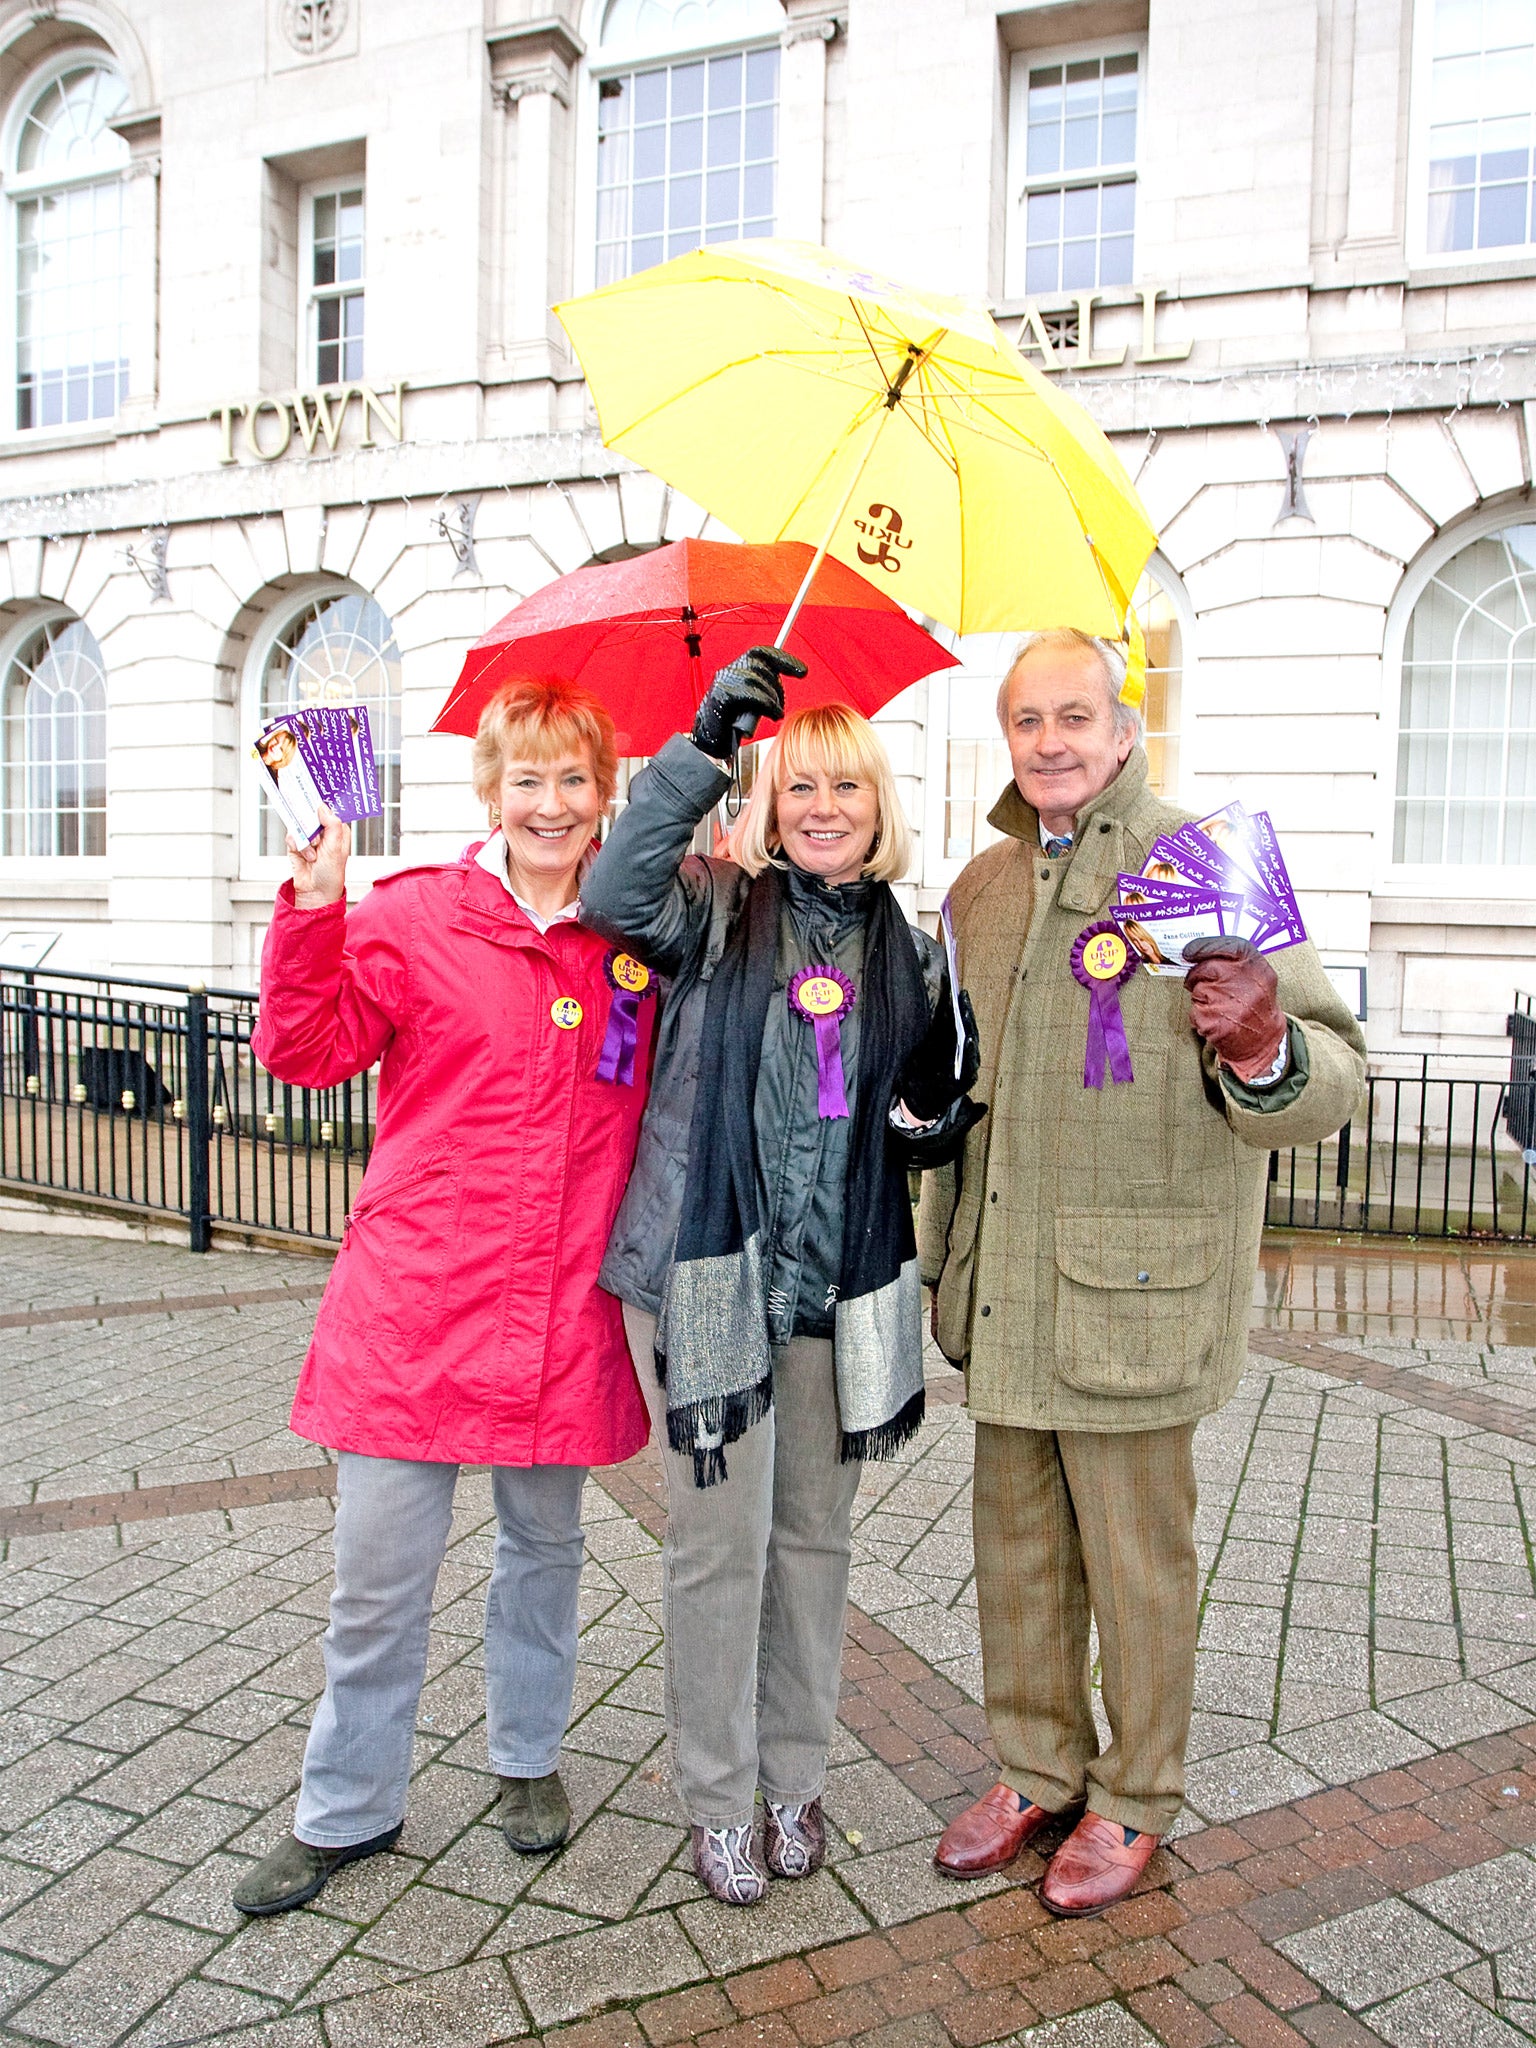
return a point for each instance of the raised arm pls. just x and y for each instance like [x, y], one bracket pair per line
[332, 980]
[642, 891]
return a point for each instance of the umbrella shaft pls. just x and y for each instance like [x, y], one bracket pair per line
[837, 517]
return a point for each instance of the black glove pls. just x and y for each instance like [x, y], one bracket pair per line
[942, 1141]
[742, 692]
[928, 1084]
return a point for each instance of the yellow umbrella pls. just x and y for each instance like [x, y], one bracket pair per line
[798, 398]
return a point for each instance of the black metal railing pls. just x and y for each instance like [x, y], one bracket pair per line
[1435, 1151]
[148, 1094]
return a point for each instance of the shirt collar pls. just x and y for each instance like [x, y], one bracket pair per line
[1047, 837]
[493, 858]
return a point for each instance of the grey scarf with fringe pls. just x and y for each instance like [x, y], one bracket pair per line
[713, 1353]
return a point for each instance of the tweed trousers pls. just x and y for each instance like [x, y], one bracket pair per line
[1073, 1523]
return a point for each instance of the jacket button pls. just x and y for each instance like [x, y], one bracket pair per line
[1045, 874]
[1104, 828]
[986, 1311]
[993, 1196]
[1142, 1279]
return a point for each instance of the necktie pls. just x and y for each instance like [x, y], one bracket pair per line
[1055, 848]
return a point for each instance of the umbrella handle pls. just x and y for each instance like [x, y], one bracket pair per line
[881, 416]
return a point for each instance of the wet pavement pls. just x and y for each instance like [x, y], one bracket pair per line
[1351, 1867]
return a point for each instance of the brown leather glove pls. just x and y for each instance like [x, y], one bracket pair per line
[1234, 1005]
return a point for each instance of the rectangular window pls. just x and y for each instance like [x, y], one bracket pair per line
[976, 772]
[1481, 126]
[71, 344]
[686, 154]
[1072, 171]
[331, 267]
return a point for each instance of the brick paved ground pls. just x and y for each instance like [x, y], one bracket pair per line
[1353, 1866]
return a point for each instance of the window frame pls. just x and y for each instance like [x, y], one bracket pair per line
[310, 294]
[19, 187]
[252, 865]
[1499, 260]
[1460, 880]
[1020, 184]
[21, 867]
[611, 61]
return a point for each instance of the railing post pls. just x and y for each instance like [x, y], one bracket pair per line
[199, 1125]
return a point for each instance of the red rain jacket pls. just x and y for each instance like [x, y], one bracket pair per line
[463, 1320]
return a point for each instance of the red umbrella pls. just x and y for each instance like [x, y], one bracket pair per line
[646, 635]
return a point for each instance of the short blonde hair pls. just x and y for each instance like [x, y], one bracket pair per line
[539, 718]
[837, 740]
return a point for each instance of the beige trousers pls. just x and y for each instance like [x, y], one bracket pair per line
[1068, 1523]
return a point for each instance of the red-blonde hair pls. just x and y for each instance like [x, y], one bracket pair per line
[539, 718]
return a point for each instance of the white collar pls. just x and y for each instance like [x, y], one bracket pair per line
[1047, 837]
[493, 858]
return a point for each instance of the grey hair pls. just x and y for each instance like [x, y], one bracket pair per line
[1112, 655]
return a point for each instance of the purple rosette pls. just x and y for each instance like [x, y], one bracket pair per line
[631, 982]
[1103, 963]
[823, 997]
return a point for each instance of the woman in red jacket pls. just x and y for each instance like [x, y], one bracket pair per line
[463, 1321]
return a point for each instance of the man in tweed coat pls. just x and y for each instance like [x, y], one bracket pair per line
[1093, 1256]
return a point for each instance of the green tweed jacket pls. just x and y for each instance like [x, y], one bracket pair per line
[1095, 1248]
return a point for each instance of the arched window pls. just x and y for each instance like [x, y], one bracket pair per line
[65, 180]
[1466, 750]
[687, 150]
[55, 743]
[340, 649]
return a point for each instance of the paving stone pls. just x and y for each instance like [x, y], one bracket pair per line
[19, 1979]
[792, 1918]
[465, 2008]
[1245, 1781]
[100, 1997]
[282, 1955]
[870, 1798]
[902, 1884]
[1492, 1904]
[70, 1916]
[1339, 1751]
[1441, 2014]
[429, 1929]
[1456, 1713]
[608, 1865]
[1370, 1954]
[565, 1978]
[187, 1829]
[1097, 2026]
[199, 2010]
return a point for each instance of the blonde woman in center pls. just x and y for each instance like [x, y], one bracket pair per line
[806, 1055]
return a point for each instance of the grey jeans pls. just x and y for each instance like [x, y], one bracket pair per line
[392, 1522]
[754, 1590]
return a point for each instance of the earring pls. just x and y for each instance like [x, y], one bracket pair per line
[495, 814]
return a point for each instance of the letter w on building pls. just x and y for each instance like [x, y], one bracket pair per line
[323, 420]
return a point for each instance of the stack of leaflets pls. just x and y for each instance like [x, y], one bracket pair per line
[1224, 876]
[320, 755]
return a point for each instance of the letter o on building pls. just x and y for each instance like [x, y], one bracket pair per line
[253, 438]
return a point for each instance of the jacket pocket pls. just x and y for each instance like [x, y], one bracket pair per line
[1140, 1299]
[400, 1241]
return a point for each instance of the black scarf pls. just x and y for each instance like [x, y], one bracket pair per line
[712, 1348]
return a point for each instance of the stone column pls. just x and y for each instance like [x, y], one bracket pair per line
[141, 239]
[533, 81]
[799, 214]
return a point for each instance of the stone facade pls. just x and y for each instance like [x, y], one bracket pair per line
[1320, 411]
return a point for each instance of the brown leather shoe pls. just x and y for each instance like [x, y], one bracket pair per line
[1096, 1866]
[988, 1834]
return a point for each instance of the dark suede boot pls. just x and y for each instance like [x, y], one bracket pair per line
[295, 1872]
[534, 1814]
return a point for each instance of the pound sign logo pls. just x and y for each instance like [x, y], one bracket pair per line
[883, 526]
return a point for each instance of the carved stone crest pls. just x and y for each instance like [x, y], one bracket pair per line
[313, 25]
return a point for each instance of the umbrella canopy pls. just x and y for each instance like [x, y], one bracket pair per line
[646, 635]
[799, 398]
